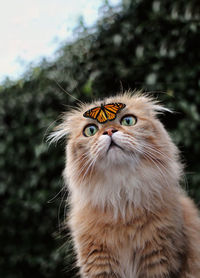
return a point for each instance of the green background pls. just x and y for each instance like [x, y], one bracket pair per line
[149, 45]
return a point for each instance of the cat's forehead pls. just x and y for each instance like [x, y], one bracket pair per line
[132, 103]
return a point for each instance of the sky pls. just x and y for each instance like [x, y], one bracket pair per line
[32, 29]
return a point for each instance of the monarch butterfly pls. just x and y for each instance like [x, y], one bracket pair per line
[105, 112]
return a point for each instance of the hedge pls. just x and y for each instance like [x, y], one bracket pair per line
[149, 45]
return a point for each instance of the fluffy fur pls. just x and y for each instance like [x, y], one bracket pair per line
[128, 216]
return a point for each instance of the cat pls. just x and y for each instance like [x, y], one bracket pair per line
[128, 215]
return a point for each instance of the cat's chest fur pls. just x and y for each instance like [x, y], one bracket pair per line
[133, 242]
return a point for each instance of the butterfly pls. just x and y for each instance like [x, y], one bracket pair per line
[104, 113]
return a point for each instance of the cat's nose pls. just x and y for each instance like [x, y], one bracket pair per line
[110, 131]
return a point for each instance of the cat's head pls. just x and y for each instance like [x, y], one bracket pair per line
[134, 145]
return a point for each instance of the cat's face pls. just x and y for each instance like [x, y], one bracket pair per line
[134, 137]
[131, 155]
[115, 143]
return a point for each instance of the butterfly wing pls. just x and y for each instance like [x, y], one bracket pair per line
[110, 115]
[112, 109]
[102, 117]
[92, 113]
[96, 113]
[120, 105]
[104, 113]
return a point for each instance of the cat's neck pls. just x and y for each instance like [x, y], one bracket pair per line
[120, 190]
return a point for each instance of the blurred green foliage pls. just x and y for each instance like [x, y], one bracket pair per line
[152, 45]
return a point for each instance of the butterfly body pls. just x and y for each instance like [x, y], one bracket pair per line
[104, 113]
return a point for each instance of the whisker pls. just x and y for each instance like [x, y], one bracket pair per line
[57, 194]
[153, 149]
[152, 158]
[59, 210]
[88, 168]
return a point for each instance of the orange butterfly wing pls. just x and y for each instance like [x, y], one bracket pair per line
[110, 115]
[104, 113]
[102, 117]
[92, 113]
[112, 109]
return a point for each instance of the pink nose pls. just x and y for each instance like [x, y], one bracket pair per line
[110, 131]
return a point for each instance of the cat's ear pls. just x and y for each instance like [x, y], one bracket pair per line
[151, 105]
[159, 109]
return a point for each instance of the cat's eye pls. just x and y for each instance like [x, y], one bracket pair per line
[90, 130]
[128, 120]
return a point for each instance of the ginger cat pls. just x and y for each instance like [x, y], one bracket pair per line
[128, 216]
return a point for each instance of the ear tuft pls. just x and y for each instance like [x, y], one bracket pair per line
[57, 135]
[159, 109]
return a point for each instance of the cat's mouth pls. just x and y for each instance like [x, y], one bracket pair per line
[113, 145]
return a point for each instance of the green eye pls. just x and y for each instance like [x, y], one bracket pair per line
[128, 120]
[90, 130]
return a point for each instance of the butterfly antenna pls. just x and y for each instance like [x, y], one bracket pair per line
[68, 93]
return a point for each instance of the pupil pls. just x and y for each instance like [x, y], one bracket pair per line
[92, 130]
[128, 121]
